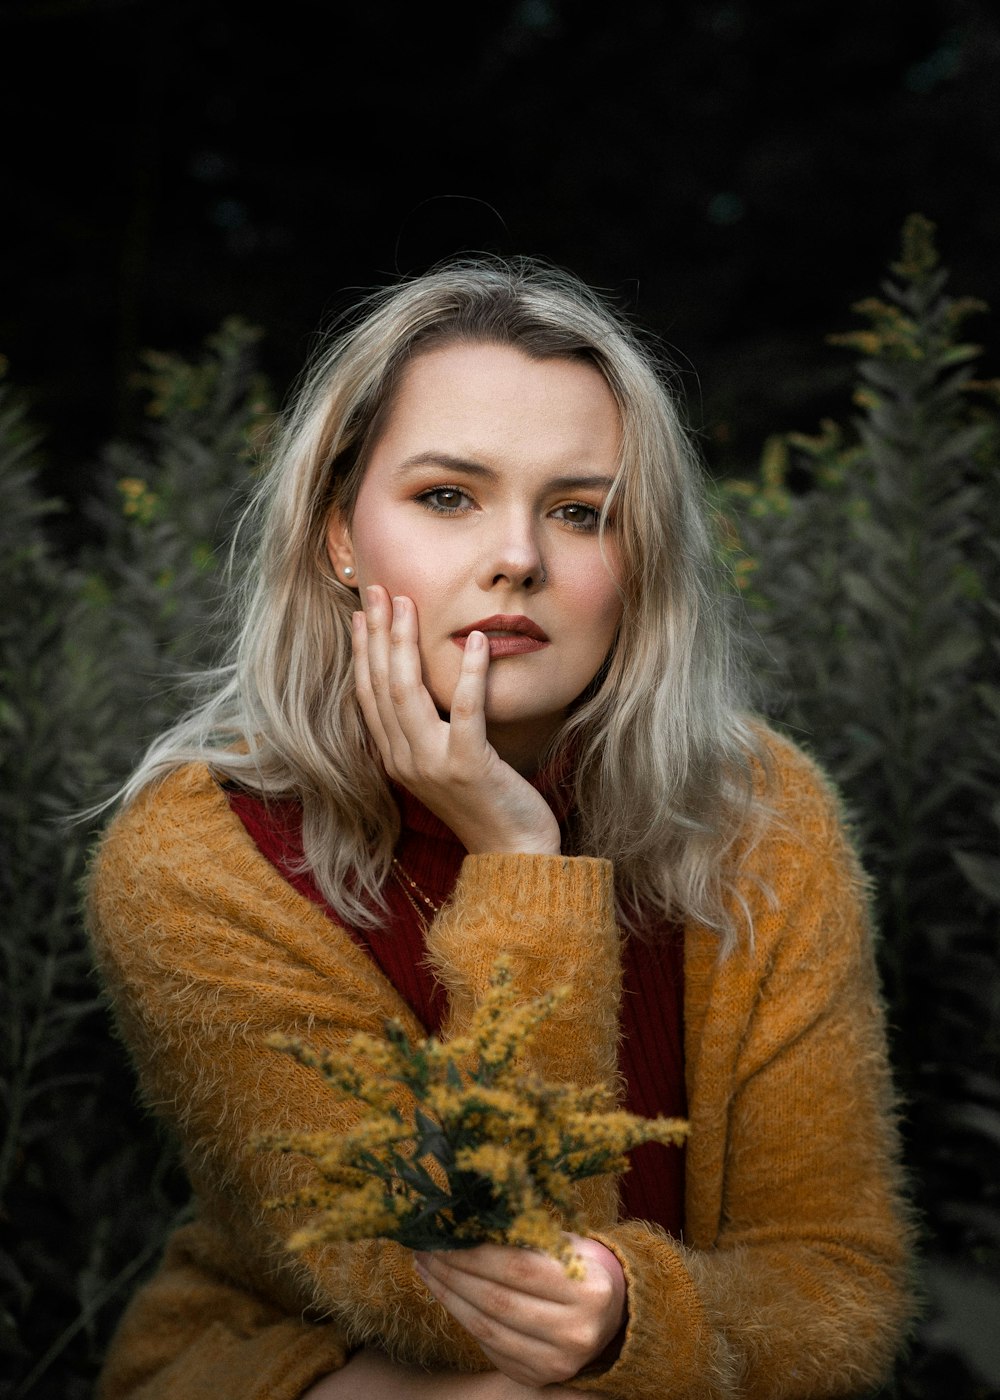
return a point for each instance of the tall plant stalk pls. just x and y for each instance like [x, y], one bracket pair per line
[873, 598]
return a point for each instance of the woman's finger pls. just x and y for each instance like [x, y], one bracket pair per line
[506, 1326]
[450, 765]
[524, 1303]
[414, 711]
[467, 740]
[490, 1311]
[378, 620]
[534, 1323]
[405, 710]
[363, 684]
[526, 1271]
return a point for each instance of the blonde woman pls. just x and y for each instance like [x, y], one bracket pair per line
[479, 701]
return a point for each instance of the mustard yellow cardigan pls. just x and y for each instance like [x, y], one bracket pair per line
[790, 1280]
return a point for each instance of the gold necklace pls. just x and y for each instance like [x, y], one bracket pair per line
[404, 880]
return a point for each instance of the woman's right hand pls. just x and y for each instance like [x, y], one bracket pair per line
[450, 764]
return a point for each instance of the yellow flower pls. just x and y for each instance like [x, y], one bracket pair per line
[449, 1104]
[365, 1213]
[139, 502]
[341, 1071]
[536, 1229]
[367, 1135]
[507, 1171]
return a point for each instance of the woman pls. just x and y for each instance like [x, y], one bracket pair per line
[480, 702]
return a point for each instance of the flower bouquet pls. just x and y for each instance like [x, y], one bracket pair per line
[483, 1152]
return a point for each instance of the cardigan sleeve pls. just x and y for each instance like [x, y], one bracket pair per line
[206, 951]
[792, 1280]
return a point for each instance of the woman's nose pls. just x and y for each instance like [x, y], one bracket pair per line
[515, 556]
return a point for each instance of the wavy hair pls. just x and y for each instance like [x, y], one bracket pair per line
[658, 751]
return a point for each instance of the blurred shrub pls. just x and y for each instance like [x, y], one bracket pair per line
[92, 654]
[871, 595]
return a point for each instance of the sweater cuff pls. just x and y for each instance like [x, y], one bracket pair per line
[580, 883]
[531, 903]
[553, 917]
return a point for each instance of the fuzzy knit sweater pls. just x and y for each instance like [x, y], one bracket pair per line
[790, 1279]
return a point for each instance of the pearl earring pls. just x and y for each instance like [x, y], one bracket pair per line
[348, 571]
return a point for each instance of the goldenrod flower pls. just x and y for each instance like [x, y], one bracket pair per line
[455, 1144]
[138, 500]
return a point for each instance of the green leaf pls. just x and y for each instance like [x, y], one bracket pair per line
[431, 1138]
[982, 873]
[417, 1176]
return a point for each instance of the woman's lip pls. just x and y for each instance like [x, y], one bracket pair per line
[505, 624]
[504, 643]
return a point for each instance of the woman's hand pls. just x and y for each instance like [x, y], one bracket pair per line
[534, 1324]
[449, 764]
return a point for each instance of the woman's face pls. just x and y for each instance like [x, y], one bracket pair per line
[480, 502]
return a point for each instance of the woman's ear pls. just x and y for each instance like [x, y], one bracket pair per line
[340, 549]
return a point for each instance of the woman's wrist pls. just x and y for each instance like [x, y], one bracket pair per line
[531, 834]
[514, 845]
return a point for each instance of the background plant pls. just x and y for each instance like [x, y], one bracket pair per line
[92, 655]
[872, 593]
[869, 559]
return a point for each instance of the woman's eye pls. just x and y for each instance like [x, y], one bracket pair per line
[446, 500]
[580, 516]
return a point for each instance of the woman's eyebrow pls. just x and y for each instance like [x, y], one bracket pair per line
[472, 468]
[580, 483]
[449, 462]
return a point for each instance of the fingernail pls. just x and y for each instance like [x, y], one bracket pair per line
[371, 595]
[475, 641]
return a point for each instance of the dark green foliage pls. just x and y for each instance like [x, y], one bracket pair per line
[86, 1186]
[874, 597]
[166, 514]
[873, 593]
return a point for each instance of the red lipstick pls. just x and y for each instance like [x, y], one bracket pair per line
[507, 635]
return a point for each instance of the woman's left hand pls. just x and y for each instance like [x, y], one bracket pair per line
[534, 1324]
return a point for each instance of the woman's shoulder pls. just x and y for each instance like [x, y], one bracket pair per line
[183, 808]
[794, 788]
[178, 892]
[802, 843]
[801, 872]
[177, 837]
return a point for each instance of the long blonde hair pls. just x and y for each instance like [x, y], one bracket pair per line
[661, 754]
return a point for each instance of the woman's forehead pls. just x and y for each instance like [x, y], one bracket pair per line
[480, 398]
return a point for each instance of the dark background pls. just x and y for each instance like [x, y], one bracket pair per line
[735, 174]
